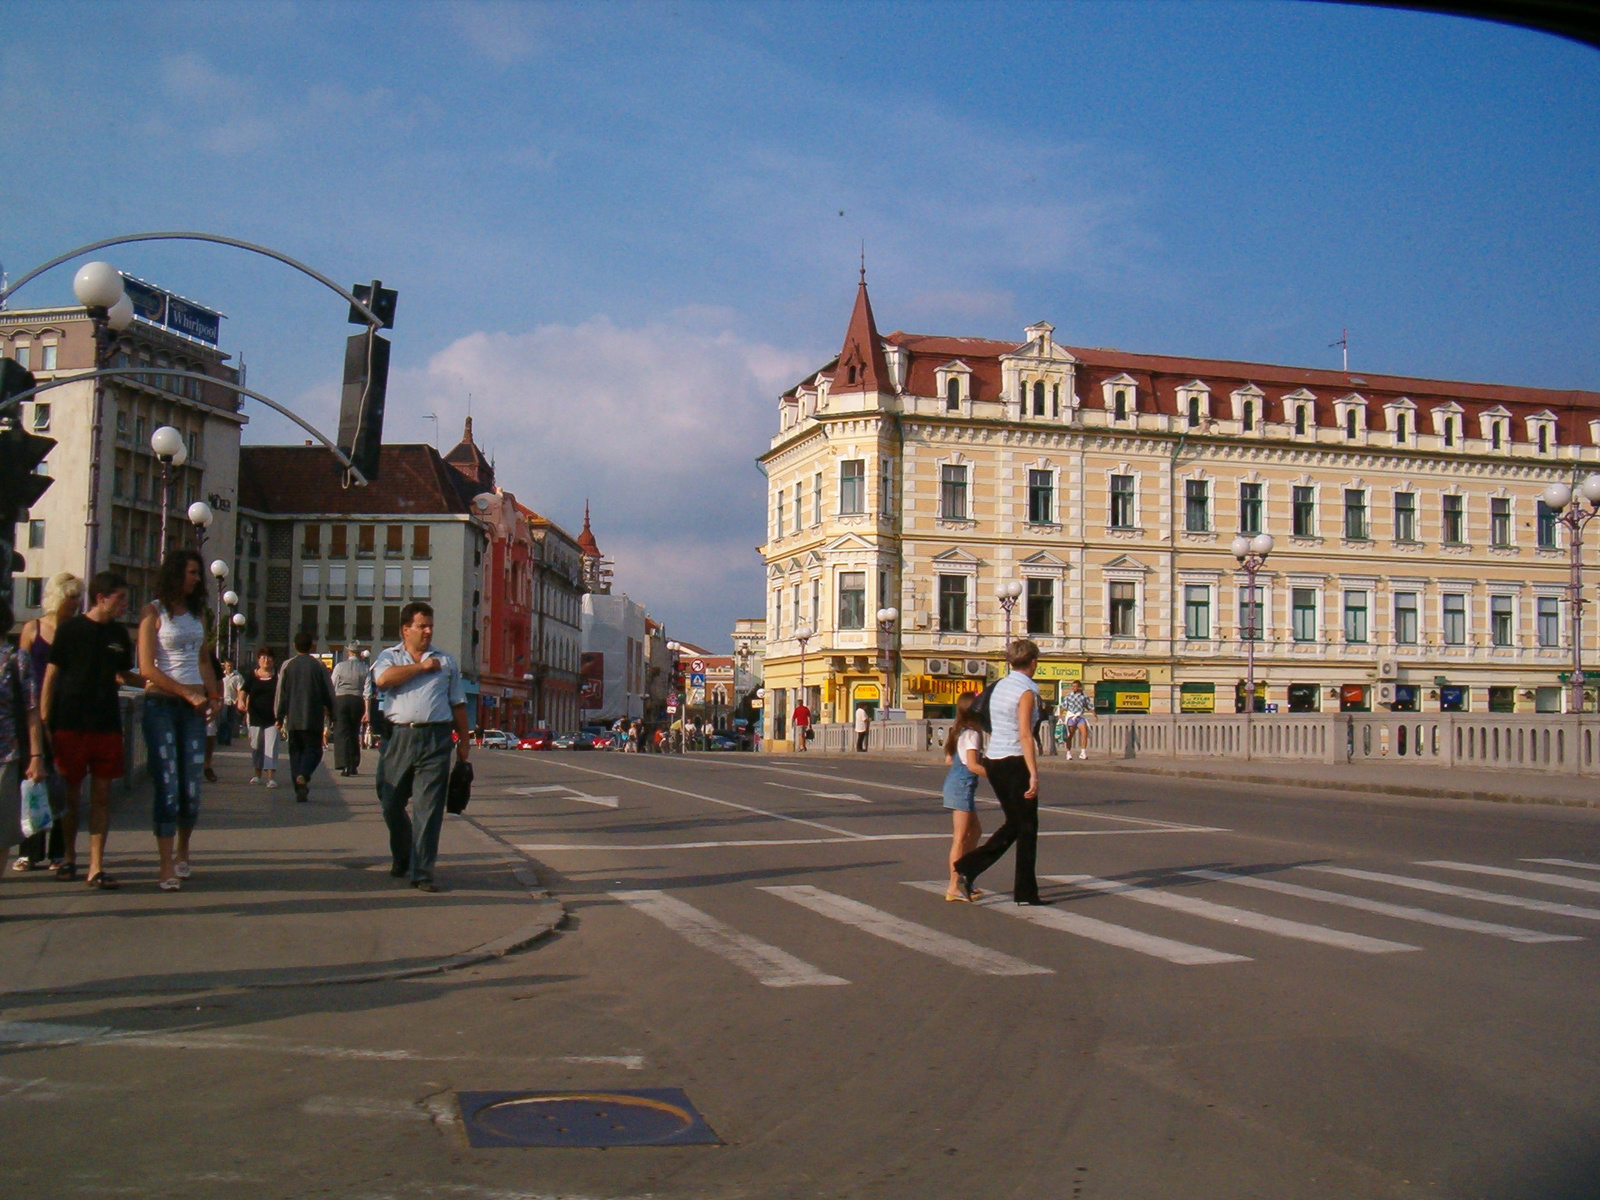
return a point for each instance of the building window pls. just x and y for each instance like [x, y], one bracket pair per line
[1547, 526]
[1120, 410]
[391, 583]
[1405, 516]
[1549, 621]
[1194, 412]
[1350, 424]
[1122, 502]
[308, 619]
[952, 393]
[816, 603]
[1303, 601]
[391, 623]
[395, 545]
[1249, 415]
[420, 547]
[1355, 617]
[1042, 607]
[1405, 618]
[336, 582]
[33, 595]
[1500, 520]
[35, 535]
[953, 493]
[1494, 435]
[310, 583]
[886, 486]
[777, 513]
[1455, 524]
[1038, 397]
[952, 604]
[1355, 514]
[41, 418]
[1041, 498]
[799, 504]
[1455, 619]
[852, 600]
[24, 356]
[816, 499]
[1250, 508]
[1196, 505]
[1300, 420]
[364, 581]
[1251, 615]
[421, 583]
[1123, 611]
[336, 542]
[312, 545]
[1544, 439]
[1500, 620]
[853, 486]
[366, 540]
[1305, 512]
[1400, 429]
[1197, 612]
[336, 622]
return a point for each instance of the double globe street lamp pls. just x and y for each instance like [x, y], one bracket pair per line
[1008, 593]
[887, 617]
[803, 634]
[1564, 502]
[1252, 555]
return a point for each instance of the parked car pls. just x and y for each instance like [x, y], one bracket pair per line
[718, 742]
[573, 741]
[498, 739]
[604, 740]
[537, 739]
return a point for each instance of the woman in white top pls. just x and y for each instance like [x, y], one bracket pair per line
[963, 751]
[181, 695]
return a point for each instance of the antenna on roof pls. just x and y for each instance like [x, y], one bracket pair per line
[1344, 344]
[863, 262]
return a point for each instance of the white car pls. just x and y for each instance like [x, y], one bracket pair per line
[498, 740]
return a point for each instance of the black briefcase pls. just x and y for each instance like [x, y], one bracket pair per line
[459, 794]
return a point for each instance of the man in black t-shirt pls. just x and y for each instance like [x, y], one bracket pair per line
[91, 654]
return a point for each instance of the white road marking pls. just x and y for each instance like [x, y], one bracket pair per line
[845, 833]
[434, 1111]
[1098, 931]
[857, 839]
[1207, 910]
[825, 795]
[1465, 893]
[572, 793]
[773, 967]
[905, 933]
[1565, 862]
[1404, 912]
[1566, 881]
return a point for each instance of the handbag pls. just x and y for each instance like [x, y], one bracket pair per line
[36, 814]
[459, 793]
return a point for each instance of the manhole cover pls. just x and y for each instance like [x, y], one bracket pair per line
[635, 1117]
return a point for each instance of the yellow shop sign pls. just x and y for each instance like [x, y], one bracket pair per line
[1059, 671]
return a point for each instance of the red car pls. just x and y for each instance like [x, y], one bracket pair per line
[538, 739]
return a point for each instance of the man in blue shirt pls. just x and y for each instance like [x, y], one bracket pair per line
[424, 702]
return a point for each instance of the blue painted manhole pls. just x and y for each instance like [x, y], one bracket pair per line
[632, 1117]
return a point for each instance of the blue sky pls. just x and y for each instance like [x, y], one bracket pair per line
[624, 229]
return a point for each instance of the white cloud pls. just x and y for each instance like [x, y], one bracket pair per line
[502, 32]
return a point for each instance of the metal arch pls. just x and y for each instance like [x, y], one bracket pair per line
[359, 479]
[177, 236]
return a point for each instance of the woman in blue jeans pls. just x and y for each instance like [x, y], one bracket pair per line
[181, 695]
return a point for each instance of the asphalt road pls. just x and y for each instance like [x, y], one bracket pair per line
[1213, 1006]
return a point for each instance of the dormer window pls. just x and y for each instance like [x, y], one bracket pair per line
[1249, 415]
[1449, 431]
[1350, 424]
[1300, 420]
[1494, 436]
[852, 373]
[1038, 397]
[1400, 429]
[1544, 439]
[1120, 412]
[952, 393]
[1194, 412]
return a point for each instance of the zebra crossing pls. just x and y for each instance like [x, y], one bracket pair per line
[775, 967]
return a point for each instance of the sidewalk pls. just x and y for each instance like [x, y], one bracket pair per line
[283, 894]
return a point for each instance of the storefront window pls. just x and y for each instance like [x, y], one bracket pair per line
[1305, 697]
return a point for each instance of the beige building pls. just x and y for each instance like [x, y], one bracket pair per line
[124, 494]
[1414, 567]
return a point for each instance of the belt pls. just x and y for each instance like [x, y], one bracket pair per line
[423, 724]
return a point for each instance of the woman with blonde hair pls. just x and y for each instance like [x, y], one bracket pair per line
[63, 598]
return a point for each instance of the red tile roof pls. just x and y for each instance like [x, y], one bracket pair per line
[308, 479]
[861, 365]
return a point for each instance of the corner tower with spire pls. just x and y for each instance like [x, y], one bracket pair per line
[596, 567]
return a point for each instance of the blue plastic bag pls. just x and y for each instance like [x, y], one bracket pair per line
[36, 815]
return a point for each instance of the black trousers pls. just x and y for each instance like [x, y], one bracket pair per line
[305, 752]
[861, 741]
[1009, 778]
[347, 713]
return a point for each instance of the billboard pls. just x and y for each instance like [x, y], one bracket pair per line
[591, 679]
[161, 307]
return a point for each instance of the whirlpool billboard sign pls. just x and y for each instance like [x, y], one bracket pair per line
[161, 307]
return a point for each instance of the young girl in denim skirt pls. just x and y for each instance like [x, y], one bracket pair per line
[963, 751]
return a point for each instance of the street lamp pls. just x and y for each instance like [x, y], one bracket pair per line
[219, 572]
[886, 622]
[1558, 498]
[1252, 555]
[238, 628]
[98, 286]
[803, 634]
[683, 694]
[1007, 594]
[231, 599]
[167, 443]
[201, 516]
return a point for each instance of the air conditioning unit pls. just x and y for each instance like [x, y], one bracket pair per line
[938, 666]
[1386, 693]
[977, 666]
[1386, 668]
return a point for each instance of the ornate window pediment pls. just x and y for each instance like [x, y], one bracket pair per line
[1126, 563]
[956, 557]
[1044, 559]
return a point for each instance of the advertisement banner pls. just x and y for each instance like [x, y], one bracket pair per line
[1060, 671]
[591, 679]
[162, 308]
[1197, 698]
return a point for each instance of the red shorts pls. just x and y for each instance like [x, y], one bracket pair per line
[78, 754]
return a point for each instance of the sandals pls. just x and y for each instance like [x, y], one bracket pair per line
[67, 871]
[102, 882]
[171, 885]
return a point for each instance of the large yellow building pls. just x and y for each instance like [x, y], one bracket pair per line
[1414, 566]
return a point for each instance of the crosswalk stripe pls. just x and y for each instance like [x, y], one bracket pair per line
[1566, 881]
[1244, 917]
[1565, 862]
[1404, 912]
[773, 967]
[1099, 931]
[907, 933]
[1465, 893]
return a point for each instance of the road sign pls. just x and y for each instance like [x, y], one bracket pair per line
[672, 710]
[697, 680]
[698, 666]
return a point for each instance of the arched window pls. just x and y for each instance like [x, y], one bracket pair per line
[1194, 411]
[1400, 428]
[1494, 435]
[952, 393]
[1249, 415]
[1300, 420]
[852, 374]
[1350, 424]
[1121, 411]
[1544, 439]
[1038, 397]
[1449, 432]
[1055, 399]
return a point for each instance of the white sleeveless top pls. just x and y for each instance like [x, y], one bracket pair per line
[178, 643]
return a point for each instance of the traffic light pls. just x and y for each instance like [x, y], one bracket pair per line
[20, 487]
[366, 380]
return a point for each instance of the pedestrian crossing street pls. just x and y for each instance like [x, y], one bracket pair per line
[1115, 901]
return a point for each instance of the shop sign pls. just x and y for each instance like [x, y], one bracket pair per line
[1126, 674]
[1059, 670]
[867, 691]
[1133, 701]
[942, 690]
[1197, 698]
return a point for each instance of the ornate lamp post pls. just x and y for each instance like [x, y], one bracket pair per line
[200, 516]
[1561, 500]
[886, 623]
[231, 599]
[803, 634]
[167, 443]
[1007, 594]
[219, 572]
[1252, 555]
[98, 286]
